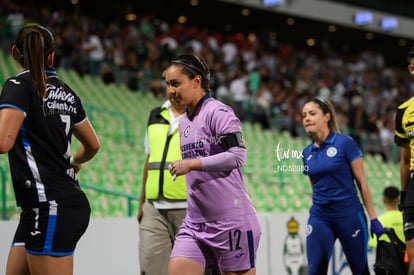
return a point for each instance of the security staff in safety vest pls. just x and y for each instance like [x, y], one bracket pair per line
[163, 203]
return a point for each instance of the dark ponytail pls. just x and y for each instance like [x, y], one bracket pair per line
[33, 45]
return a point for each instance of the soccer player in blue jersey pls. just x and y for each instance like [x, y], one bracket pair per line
[39, 113]
[221, 226]
[334, 165]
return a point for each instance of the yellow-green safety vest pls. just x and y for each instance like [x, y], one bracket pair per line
[164, 149]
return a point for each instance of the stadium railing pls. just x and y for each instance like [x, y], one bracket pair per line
[129, 197]
[92, 109]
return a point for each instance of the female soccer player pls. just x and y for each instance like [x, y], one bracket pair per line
[38, 115]
[221, 227]
[334, 163]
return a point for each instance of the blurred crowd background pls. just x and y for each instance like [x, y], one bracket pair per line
[264, 79]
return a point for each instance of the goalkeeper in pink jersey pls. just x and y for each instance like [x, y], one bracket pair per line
[221, 227]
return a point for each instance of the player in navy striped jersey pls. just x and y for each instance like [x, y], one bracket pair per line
[38, 116]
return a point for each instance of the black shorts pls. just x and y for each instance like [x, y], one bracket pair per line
[54, 228]
[408, 206]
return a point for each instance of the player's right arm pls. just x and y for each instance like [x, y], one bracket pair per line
[11, 120]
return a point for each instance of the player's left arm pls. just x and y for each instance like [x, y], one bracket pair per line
[357, 167]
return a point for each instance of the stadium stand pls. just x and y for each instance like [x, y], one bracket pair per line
[118, 167]
[113, 180]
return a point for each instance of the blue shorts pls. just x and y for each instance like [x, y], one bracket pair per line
[230, 244]
[53, 228]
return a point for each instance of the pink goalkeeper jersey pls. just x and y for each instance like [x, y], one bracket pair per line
[212, 195]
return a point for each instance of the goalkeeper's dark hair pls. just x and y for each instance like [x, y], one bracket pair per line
[193, 66]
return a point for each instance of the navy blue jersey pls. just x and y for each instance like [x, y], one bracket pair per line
[328, 166]
[39, 159]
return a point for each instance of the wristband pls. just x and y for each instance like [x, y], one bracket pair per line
[73, 163]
